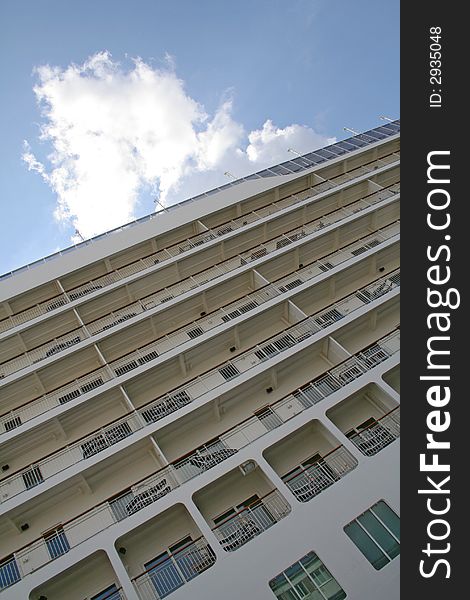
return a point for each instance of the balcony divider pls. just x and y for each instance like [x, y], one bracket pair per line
[182, 246]
[170, 402]
[16, 417]
[153, 487]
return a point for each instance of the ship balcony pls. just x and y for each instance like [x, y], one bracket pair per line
[90, 579]
[23, 315]
[310, 460]
[234, 430]
[172, 570]
[44, 529]
[392, 378]
[115, 346]
[165, 554]
[370, 419]
[112, 309]
[241, 505]
[150, 412]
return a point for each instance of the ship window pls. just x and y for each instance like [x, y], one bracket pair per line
[307, 578]
[377, 534]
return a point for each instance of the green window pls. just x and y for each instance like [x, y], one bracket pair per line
[377, 534]
[307, 579]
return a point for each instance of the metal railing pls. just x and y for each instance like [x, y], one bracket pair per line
[378, 435]
[250, 522]
[306, 161]
[184, 246]
[113, 595]
[200, 385]
[9, 573]
[114, 318]
[310, 481]
[159, 484]
[174, 570]
[152, 351]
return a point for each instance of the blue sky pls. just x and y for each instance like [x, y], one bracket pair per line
[234, 83]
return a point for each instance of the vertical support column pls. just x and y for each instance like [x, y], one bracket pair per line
[104, 362]
[373, 221]
[204, 528]
[7, 307]
[127, 400]
[161, 457]
[74, 310]
[121, 573]
[332, 289]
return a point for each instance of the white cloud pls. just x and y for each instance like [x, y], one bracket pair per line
[270, 144]
[117, 131]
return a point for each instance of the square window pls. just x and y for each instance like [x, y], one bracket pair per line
[307, 578]
[377, 534]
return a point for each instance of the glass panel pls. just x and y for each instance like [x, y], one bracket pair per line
[386, 514]
[307, 591]
[110, 593]
[307, 579]
[189, 560]
[384, 539]
[282, 589]
[164, 576]
[320, 575]
[295, 573]
[333, 591]
[370, 550]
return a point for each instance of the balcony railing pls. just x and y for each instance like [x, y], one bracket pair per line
[308, 160]
[9, 572]
[198, 387]
[160, 483]
[150, 352]
[175, 570]
[186, 245]
[250, 522]
[310, 481]
[113, 595]
[68, 340]
[378, 435]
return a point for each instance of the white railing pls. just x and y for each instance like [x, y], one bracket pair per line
[152, 351]
[250, 522]
[200, 385]
[68, 340]
[182, 246]
[378, 435]
[312, 480]
[159, 484]
[173, 571]
[231, 264]
[35, 355]
[342, 148]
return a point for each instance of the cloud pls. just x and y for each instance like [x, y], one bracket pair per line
[270, 144]
[115, 132]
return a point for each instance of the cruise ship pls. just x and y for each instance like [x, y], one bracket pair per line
[204, 403]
